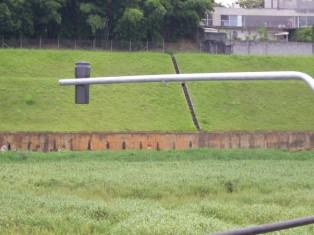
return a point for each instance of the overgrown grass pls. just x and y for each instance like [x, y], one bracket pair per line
[254, 105]
[185, 192]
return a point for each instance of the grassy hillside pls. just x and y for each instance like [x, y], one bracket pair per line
[191, 192]
[258, 105]
[31, 99]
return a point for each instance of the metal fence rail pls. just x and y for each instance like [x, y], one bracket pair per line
[267, 228]
[238, 76]
[97, 44]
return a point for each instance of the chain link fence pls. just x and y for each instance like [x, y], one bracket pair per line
[107, 45]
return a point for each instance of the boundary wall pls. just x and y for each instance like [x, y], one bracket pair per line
[98, 141]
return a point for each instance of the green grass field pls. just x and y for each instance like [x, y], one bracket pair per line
[31, 99]
[261, 105]
[187, 192]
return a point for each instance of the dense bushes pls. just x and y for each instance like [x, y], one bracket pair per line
[303, 35]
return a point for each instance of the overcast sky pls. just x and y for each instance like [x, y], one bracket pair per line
[226, 2]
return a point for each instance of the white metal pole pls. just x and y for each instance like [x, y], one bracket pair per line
[165, 78]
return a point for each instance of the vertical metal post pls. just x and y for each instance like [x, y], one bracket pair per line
[94, 44]
[163, 45]
[40, 42]
[82, 70]
[130, 46]
[313, 39]
[146, 45]
[111, 45]
[58, 43]
[21, 42]
[75, 44]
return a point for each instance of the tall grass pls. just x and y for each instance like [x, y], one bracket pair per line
[171, 192]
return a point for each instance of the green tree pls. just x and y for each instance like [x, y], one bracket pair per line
[251, 3]
[263, 33]
[95, 14]
[303, 35]
[47, 16]
[131, 25]
[155, 13]
[183, 17]
[16, 18]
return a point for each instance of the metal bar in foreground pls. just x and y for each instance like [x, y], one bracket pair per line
[165, 78]
[267, 228]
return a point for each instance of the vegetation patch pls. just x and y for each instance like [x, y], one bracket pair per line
[251, 105]
[32, 100]
[167, 192]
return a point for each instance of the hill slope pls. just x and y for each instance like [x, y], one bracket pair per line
[253, 105]
[31, 99]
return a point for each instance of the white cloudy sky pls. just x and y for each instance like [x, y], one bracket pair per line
[226, 2]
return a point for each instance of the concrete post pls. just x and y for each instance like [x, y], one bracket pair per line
[82, 70]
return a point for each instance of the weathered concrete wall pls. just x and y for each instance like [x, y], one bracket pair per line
[273, 48]
[46, 142]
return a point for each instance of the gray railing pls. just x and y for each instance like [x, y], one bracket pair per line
[267, 228]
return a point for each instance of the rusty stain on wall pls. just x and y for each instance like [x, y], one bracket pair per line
[49, 142]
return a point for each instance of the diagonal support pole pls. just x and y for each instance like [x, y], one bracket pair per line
[187, 95]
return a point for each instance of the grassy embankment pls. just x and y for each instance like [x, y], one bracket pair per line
[190, 192]
[262, 105]
[31, 99]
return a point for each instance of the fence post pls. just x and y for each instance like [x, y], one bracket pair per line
[313, 39]
[111, 45]
[40, 42]
[266, 48]
[130, 46]
[200, 47]
[21, 42]
[58, 42]
[163, 45]
[75, 44]
[146, 45]
[94, 44]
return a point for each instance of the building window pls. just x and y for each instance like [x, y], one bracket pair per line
[231, 20]
[302, 21]
[306, 21]
[270, 21]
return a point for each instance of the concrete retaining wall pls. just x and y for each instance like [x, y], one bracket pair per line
[273, 48]
[46, 142]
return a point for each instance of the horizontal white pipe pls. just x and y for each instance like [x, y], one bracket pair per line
[238, 76]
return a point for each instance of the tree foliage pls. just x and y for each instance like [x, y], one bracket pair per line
[123, 19]
[251, 3]
[304, 35]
